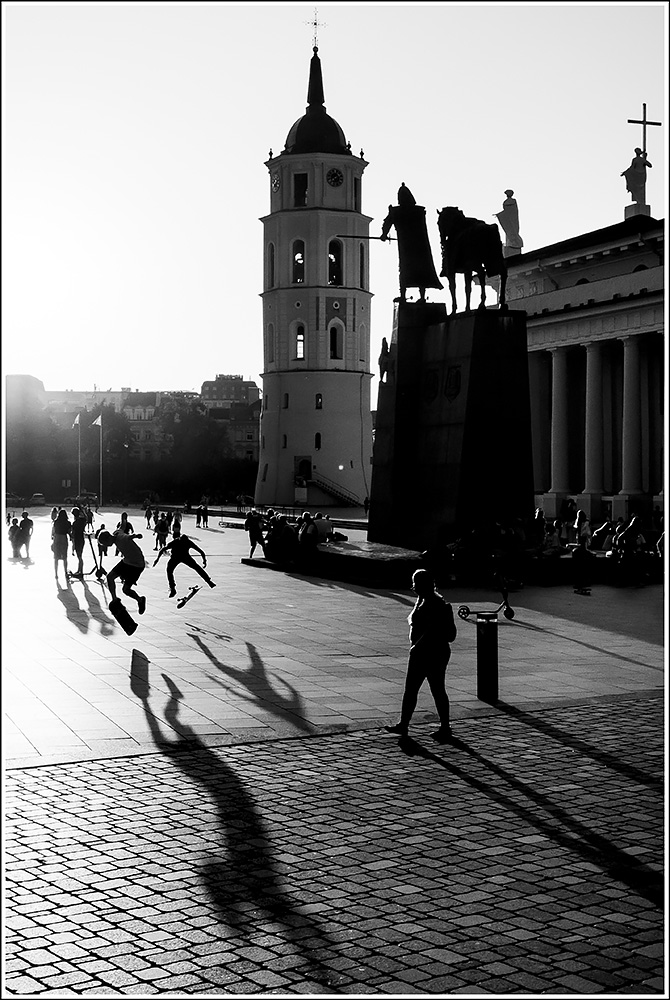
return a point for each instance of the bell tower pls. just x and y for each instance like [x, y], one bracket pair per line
[316, 426]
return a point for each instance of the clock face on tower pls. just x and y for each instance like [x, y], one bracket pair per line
[276, 182]
[335, 177]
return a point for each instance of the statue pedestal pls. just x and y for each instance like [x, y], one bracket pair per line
[636, 209]
[453, 434]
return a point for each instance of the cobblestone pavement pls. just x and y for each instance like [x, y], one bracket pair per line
[212, 806]
[524, 858]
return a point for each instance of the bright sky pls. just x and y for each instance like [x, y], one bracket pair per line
[135, 138]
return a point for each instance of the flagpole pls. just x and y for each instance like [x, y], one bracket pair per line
[100, 495]
[79, 458]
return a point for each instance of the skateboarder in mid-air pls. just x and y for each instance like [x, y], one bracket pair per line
[179, 553]
[129, 569]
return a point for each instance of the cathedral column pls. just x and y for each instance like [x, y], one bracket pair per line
[591, 498]
[560, 486]
[631, 430]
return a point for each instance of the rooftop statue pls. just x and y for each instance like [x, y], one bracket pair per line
[470, 245]
[636, 176]
[509, 220]
[415, 258]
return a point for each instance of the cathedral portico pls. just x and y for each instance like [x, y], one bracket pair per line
[595, 340]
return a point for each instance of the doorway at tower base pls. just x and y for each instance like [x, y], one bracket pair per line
[452, 445]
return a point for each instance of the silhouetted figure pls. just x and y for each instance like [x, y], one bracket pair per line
[14, 535]
[26, 525]
[636, 176]
[431, 630]
[254, 526]
[131, 566]
[470, 246]
[60, 538]
[415, 258]
[509, 220]
[384, 360]
[79, 523]
[179, 555]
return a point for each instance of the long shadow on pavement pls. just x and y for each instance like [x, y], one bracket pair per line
[588, 645]
[75, 614]
[593, 847]
[261, 691]
[576, 743]
[247, 887]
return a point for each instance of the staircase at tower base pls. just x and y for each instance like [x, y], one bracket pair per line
[452, 445]
[346, 499]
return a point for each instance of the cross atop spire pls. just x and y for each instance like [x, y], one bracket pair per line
[316, 24]
[644, 121]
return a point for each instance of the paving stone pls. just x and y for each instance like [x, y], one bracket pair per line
[527, 858]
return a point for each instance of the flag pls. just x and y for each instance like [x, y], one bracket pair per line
[97, 422]
[76, 422]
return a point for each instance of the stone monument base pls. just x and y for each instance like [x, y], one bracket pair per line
[452, 435]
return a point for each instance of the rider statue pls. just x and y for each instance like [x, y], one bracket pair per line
[415, 258]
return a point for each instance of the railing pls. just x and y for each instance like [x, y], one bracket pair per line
[349, 499]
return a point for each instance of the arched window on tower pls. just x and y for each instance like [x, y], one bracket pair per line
[361, 266]
[298, 262]
[336, 339]
[318, 401]
[300, 343]
[334, 262]
[271, 342]
[317, 442]
[299, 190]
[271, 265]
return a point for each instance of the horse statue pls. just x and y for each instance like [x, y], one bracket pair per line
[470, 245]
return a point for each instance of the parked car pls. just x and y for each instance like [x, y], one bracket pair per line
[83, 498]
[37, 500]
[13, 500]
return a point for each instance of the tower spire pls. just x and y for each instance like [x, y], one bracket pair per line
[315, 98]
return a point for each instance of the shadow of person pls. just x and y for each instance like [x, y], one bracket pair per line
[77, 615]
[550, 816]
[261, 691]
[245, 883]
[96, 611]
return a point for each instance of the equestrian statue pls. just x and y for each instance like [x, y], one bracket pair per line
[470, 245]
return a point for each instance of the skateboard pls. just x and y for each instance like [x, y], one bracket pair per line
[118, 609]
[184, 600]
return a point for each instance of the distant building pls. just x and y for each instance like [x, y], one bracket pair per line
[226, 391]
[234, 403]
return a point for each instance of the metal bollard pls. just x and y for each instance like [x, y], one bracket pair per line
[487, 656]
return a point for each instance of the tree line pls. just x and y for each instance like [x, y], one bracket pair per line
[194, 456]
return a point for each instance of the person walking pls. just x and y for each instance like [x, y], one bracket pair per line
[147, 515]
[26, 526]
[60, 534]
[130, 567]
[161, 531]
[254, 525]
[179, 555]
[14, 535]
[78, 535]
[431, 630]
